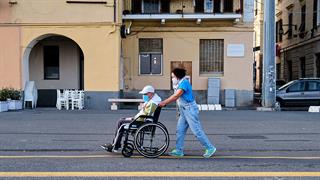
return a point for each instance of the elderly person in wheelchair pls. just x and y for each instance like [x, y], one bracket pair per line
[151, 100]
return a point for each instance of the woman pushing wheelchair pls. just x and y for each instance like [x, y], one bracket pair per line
[151, 101]
[189, 114]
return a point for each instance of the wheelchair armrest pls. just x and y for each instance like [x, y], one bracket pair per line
[145, 116]
[135, 121]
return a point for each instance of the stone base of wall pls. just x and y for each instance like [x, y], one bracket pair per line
[93, 100]
[99, 100]
[243, 97]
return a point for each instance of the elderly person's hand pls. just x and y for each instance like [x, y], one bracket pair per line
[162, 104]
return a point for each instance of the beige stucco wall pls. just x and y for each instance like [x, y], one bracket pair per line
[100, 45]
[184, 46]
[10, 57]
[69, 66]
[58, 11]
[5, 12]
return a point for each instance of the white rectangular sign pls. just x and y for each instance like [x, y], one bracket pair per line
[235, 50]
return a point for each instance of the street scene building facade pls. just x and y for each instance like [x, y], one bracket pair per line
[258, 44]
[114, 48]
[61, 45]
[297, 36]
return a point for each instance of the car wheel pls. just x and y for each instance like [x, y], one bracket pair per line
[277, 106]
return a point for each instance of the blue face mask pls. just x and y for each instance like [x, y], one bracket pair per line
[145, 98]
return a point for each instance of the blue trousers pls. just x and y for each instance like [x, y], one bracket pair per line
[189, 117]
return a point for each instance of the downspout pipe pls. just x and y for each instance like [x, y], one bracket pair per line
[114, 11]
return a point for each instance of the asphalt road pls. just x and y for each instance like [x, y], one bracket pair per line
[265, 145]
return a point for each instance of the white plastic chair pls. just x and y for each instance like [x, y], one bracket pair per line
[78, 100]
[70, 97]
[30, 94]
[62, 99]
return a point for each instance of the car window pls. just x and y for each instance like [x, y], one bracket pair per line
[286, 85]
[297, 87]
[313, 86]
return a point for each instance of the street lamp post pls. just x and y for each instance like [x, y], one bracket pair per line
[269, 63]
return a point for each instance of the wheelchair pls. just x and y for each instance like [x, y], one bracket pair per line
[149, 138]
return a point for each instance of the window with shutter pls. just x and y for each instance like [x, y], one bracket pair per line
[150, 56]
[211, 56]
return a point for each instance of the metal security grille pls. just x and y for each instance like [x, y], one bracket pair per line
[150, 45]
[211, 56]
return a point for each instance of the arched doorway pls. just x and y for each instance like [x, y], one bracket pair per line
[53, 62]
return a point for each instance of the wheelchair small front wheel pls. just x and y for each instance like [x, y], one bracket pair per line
[151, 140]
[127, 150]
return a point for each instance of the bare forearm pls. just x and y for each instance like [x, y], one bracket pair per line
[171, 99]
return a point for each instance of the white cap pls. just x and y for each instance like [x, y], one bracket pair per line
[147, 89]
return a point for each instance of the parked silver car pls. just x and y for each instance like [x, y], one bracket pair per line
[302, 92]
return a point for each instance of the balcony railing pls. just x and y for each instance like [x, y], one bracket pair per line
[182, 9]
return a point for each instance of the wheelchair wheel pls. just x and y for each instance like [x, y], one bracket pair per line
[127, 150]
[164, 127]
[151, 140]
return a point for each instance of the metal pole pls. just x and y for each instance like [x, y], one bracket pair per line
[269, 60]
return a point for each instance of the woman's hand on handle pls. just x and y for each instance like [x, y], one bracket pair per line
[172, 98]
[162, 104]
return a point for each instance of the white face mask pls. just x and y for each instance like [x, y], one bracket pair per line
[175, 81]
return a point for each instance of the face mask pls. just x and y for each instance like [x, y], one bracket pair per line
[175, 81]
[145, 98]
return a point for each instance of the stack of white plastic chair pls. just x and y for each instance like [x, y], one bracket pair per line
[62, 99]
[78, 100]
[69, 95]
[30, 94]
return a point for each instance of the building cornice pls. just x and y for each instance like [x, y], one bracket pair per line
[191, 29]
[292, 46]
[224, 16]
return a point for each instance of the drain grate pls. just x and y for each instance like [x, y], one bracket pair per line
[248, 137]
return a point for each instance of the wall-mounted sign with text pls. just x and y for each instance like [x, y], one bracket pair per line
[235, 50]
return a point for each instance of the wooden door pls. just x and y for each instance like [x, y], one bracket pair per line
[187, 65]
